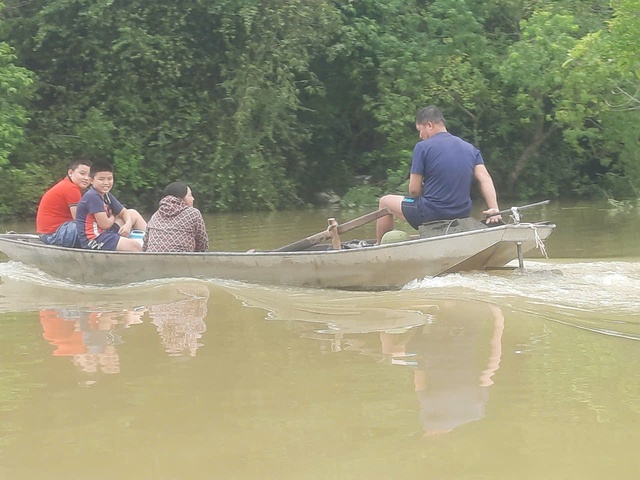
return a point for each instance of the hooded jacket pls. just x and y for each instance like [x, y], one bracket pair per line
[176, 227]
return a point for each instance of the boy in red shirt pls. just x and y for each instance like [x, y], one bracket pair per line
[55, 220]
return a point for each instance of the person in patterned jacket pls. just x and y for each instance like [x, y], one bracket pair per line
[176, 226]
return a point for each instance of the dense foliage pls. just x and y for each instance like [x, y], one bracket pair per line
[261, 104]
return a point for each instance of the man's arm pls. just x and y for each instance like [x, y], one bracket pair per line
[415, 185]
[488, 191]
[495, 353]
[73, 209]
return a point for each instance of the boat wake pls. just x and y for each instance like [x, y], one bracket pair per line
[598, 285]
[17, 272]
[597, 296]
[25, 288]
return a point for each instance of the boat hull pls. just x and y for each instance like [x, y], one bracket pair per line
[380, 267]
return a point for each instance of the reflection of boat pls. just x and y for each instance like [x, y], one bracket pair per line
[338, 312]
[19, 292]
[372, 267]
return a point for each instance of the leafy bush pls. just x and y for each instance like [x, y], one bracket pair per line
[21, 189]
[361, 196]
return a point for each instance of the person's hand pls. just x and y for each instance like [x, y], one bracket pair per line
[125, 230]
[494, 218]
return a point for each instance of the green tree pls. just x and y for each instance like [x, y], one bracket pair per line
[207, 92]
[402, 56]
[602, 102]
[15, 84]
[16, 198]
[260, 104]
[617, 46]
[533, 71]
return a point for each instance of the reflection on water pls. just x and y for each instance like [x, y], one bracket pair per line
[89, 331]
[453, 357]
[341, 311]
[181, 323]
[454, 350]
[89, 338]
[456, 357]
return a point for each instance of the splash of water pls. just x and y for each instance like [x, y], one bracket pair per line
[597, 296]
[592, 285]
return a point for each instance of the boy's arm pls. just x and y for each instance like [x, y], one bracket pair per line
[95, 206]
[127, 222]
[72, 198]
[120, 213]
[103, 220]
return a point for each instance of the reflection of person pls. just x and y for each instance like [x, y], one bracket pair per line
[176, 226]
[103, 222]
[106, 361]
[442, 171]
[100, 333]
[59, 329]
[456, 357]
[181, 323]
[55, 220]
[90, 338]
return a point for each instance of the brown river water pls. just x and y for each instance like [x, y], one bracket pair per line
[501, 375]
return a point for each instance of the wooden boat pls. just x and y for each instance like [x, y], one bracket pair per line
[302, 263]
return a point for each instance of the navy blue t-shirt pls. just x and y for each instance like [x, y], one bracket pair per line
[90, 204]
[446, 163]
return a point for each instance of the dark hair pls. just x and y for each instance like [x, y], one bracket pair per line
[429, 114]
[100, 167]
[77, 162]
[175, 189]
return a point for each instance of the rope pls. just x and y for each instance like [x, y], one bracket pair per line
[539, 243]
[449, 226]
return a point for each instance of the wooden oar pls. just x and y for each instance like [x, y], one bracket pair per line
[326, 234]
[335, 235]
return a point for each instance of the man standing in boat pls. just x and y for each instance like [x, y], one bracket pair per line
[55, 220]
[442, 171]
[103, 222]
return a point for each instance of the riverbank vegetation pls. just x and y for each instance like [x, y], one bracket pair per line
[263, 104]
